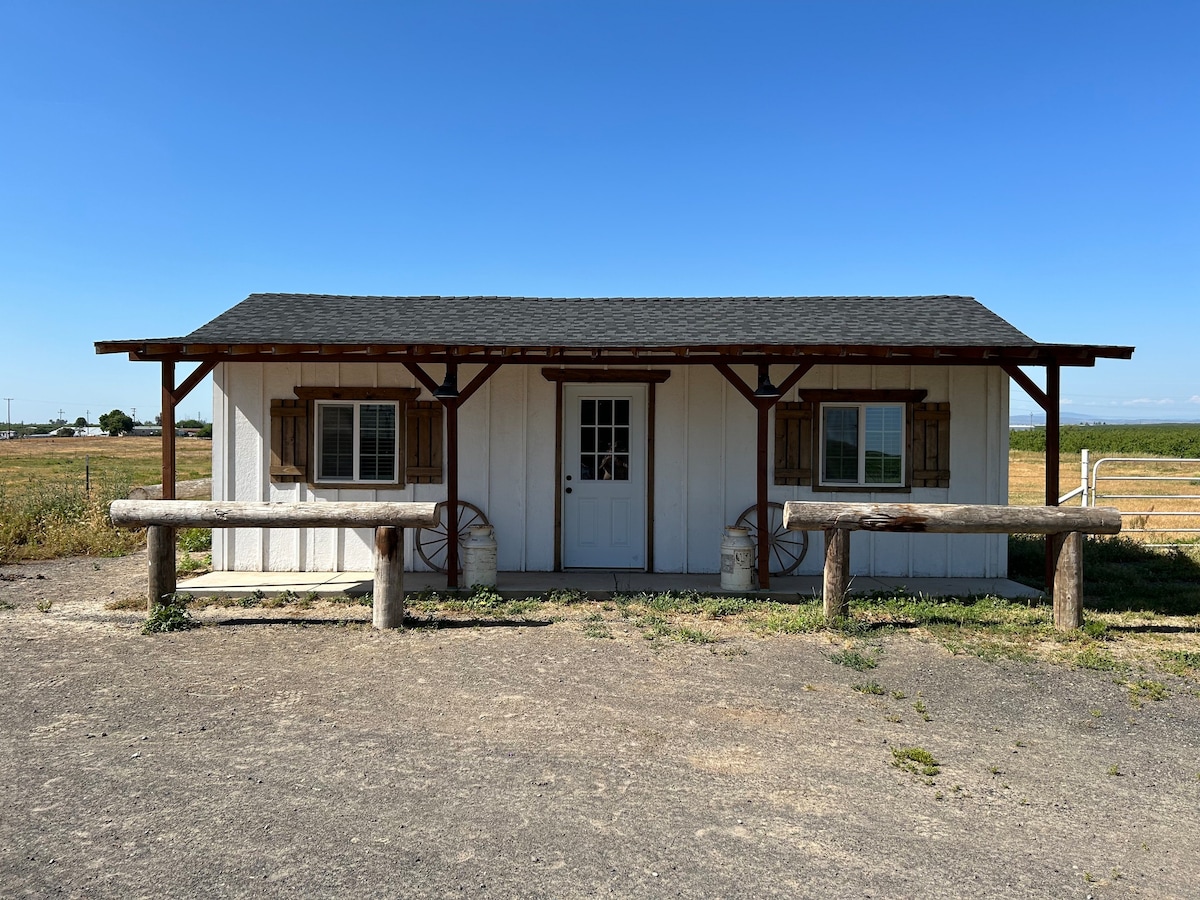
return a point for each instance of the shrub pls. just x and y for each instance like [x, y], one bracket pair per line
[193, 540]
[170, 615]
[59, 518]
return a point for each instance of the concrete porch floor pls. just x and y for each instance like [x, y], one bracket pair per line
[596, 585]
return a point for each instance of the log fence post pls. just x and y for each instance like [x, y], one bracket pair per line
[1067, 552]
[836, 580]
[160, 543]
[387, 598]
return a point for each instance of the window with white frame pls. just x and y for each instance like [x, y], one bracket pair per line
[862, 444]
[358, 441]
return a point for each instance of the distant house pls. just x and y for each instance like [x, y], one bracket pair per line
[613, 433]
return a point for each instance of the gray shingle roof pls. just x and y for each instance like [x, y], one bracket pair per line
[605, 322]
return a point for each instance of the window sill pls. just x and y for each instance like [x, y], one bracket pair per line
[862, 488]
[359, 485]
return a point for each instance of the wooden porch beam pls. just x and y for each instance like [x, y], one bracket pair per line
[792, 380]
[422, 376]
[1027, 384]
[180, 393]
[733, 378]
[477, 382]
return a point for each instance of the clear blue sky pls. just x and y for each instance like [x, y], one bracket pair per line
[163, 160]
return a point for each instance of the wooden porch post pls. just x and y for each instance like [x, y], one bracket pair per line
[763, 408]
[168, 430]
[1053, 446]
[763, 405]
[451, 493]
[161, 538]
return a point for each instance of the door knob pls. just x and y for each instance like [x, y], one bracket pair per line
[568, 490]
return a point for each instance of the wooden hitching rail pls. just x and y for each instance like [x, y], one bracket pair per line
[1066, 527]
[162, 517]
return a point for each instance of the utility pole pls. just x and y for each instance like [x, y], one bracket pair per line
[60, 413]
[8, 421]
[134, 416]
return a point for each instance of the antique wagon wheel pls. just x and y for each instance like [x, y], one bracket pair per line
[787, 547]
[432, 540]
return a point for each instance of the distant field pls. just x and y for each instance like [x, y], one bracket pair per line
[132, 461]
[54, 492]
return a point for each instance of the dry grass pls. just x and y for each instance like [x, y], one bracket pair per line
[54, 492]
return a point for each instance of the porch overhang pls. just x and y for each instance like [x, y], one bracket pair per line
[1038, 355]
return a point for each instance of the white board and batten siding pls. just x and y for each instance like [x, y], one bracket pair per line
[704, 467]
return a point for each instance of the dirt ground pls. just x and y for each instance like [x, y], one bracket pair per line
[272, 756]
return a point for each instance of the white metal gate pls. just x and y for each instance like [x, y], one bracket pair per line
[1143, 489]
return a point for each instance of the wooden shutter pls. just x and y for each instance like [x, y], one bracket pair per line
[794, 443]
[423, 456]
[929, 454]
[289, 440]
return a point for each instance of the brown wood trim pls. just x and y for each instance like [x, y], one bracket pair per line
[607, 376]
[797, 373]
[558, 356]
[422, 376]
[732, 377]
[451, 459]
[180, 393]
[761, 497]
[1052, 435]
[558, 474]
[356, 393]
[168, 431]
[477, 382]
[861, 489]
[864, 396]
[1036, 354]
[650, 414]
[1053, 452]
[1027, 385]
[358, 485]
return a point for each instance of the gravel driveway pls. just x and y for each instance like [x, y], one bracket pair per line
[293, 758]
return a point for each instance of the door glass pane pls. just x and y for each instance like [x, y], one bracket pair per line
[621, 468]
[621, 439]
[587, 412]
[377, 442]
[337, 442]
[620, 412]
[587, 440]
[840, 435]
[604, 412]
[587, 467]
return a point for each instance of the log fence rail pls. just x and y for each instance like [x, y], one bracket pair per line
[1065, 526]
[162, 517]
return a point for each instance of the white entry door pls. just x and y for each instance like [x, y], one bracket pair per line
[604, 476]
